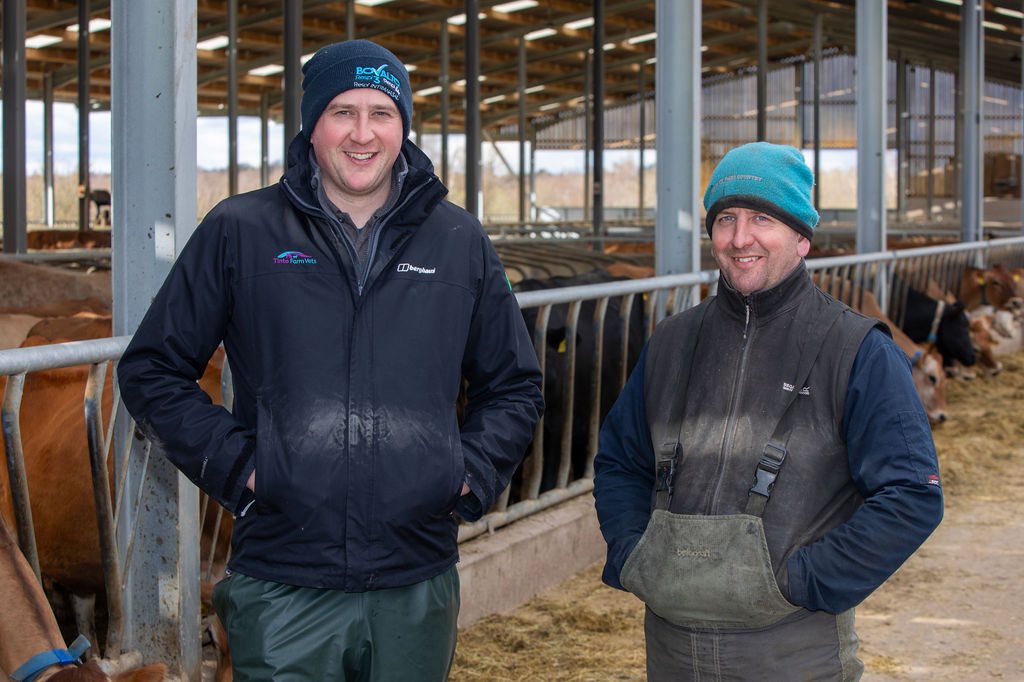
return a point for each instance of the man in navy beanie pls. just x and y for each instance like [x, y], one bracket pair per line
[354, 302]
[769, 463]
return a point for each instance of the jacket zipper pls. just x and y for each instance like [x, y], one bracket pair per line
[730, 422]
[375, 239]
[318, 212]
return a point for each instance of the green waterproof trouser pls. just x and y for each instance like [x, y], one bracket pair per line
[286, 633]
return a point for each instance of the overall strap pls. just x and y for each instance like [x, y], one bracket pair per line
[775, 451]
[687, 346]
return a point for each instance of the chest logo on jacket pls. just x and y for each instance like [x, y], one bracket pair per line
[786, 386]
[406, 267]
[294, 258]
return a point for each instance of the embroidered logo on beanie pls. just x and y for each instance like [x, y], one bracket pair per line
[379, 76]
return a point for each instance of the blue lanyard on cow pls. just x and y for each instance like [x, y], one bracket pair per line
[775, 450]
[40, 662]
[933, 333]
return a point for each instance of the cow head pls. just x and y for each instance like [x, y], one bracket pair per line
[1012, 283]
[980, 287]
[984, 338]
[930, 382]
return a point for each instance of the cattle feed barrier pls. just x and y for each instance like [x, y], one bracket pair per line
[661, 296]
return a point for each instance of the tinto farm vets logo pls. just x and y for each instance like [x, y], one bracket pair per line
[294, 258]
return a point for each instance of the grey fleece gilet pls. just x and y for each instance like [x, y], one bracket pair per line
[741, 373]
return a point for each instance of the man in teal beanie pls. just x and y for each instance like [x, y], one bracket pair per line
[768, 464]
[765, 176]
[354, 303]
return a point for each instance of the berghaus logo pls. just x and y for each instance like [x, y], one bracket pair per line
[294, 258]
[378, 76]
[407, 267]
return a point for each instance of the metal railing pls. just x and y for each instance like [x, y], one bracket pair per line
[651, 298]
[883, 273]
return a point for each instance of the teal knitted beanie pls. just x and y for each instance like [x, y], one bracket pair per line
[772, 178]
[348, 65]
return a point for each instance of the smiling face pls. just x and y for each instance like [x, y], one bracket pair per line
[356, 141]
[754, 250]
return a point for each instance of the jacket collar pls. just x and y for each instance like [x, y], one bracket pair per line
[420, 181]
[767, 302]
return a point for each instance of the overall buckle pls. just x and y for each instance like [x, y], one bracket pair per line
[665, 473]
[768, 469]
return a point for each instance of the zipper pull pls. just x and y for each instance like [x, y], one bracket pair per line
[746, 322]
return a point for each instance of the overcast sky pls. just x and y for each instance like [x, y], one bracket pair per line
[211, 140]
[212, 144]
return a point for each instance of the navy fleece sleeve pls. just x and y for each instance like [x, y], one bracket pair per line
[894, 465]
[624, 474]
[167, 355]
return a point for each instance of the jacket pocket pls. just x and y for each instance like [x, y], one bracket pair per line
[706, 572]
[458, 476]
[265, 466]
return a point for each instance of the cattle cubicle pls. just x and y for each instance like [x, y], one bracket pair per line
[585, 337]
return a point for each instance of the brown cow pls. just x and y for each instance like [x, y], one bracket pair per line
[926, 364]
[1012, 282]
[988, 290]
[643, 247]
[31, 289]
[56, 451]
[28, 626]
[984, 338]
[629, 270]
[14, 328]
[1016, 276]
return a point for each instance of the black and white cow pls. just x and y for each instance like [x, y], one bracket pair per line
[565, 380]
[945, 325]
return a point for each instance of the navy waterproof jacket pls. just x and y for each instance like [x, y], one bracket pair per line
[345, 386]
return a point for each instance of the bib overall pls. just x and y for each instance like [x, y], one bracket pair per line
[744, 397]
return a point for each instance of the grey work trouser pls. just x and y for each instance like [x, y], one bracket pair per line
[297, 634]
[815, 646]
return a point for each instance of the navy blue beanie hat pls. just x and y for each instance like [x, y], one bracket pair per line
[349, 65]
[772, 178]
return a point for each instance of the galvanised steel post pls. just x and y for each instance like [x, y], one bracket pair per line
[870, 113]
[154, 213]
[677, 84]
[15, 227]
